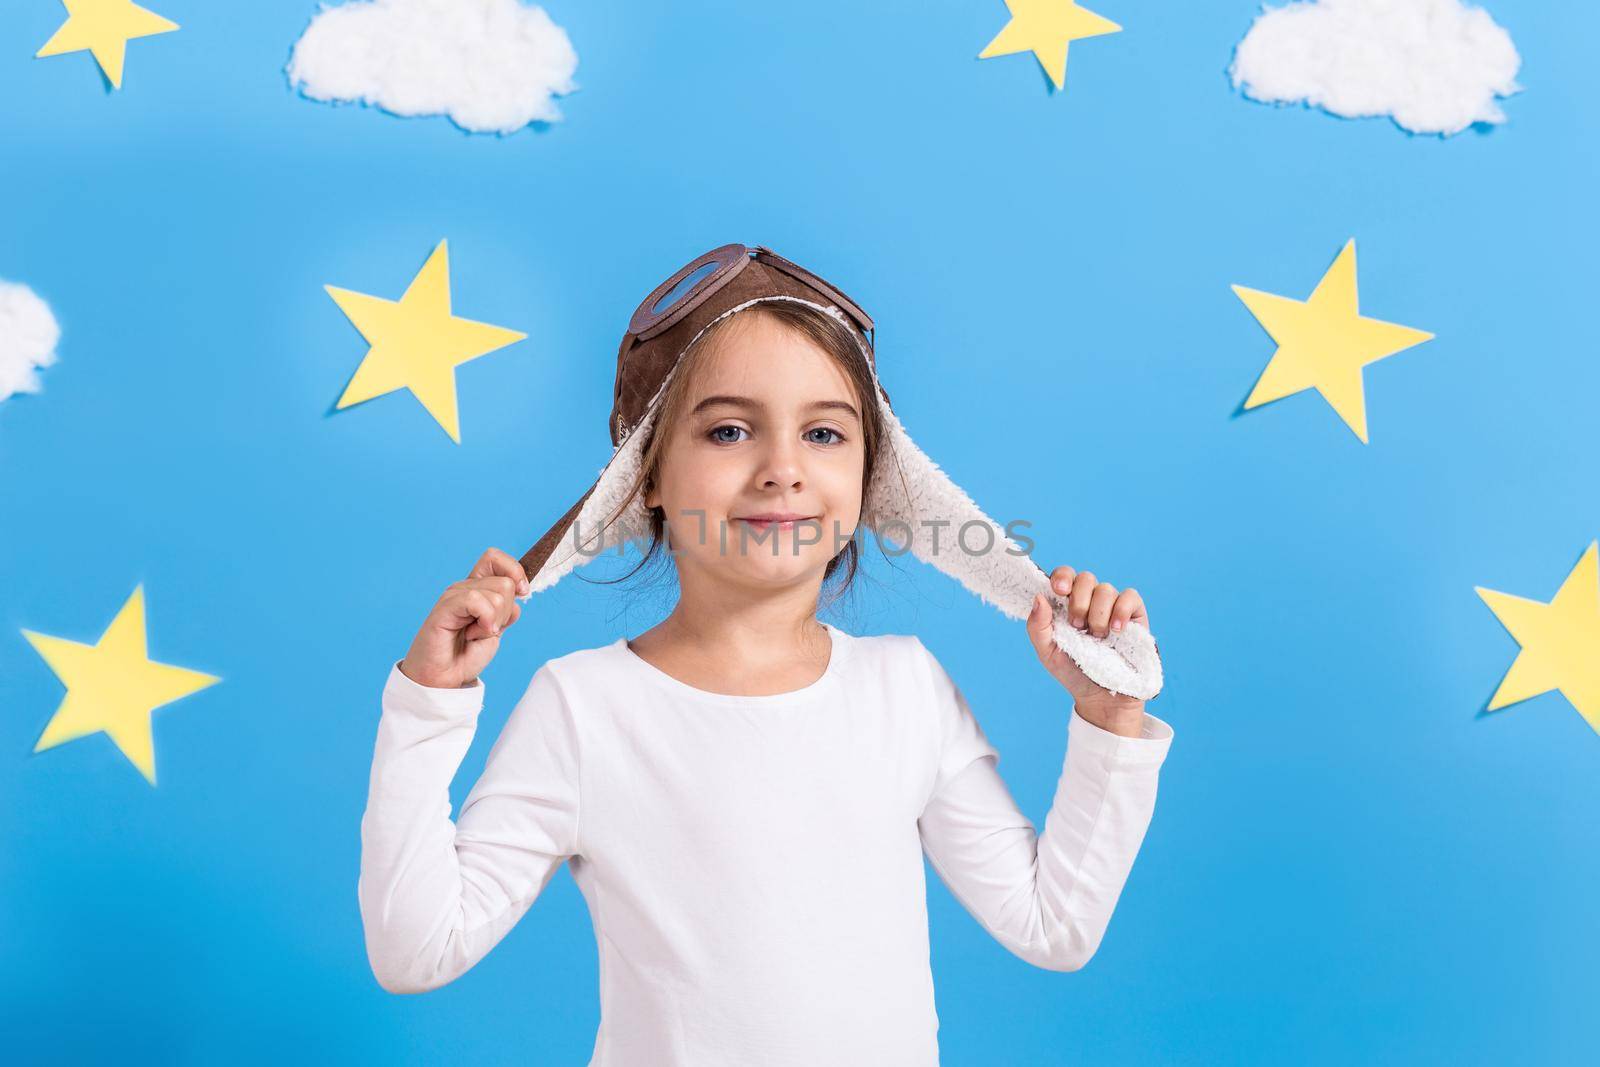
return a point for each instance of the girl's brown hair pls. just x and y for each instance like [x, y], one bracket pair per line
[834, 339]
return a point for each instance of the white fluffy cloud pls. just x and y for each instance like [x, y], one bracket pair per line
[1435, 66]
[28, 336]
[493, 66]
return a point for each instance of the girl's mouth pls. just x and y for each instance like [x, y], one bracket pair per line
[782, 524]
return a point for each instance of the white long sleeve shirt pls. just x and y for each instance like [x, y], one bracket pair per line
[752, 864]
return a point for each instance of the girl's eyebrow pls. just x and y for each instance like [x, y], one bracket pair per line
[751, 402]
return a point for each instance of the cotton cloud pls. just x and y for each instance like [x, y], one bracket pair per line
[493, 66]
[1435, 66]
[28, 336]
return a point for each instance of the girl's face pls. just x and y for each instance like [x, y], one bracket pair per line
[771, 426]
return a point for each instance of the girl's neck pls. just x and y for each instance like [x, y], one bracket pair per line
[749, 653]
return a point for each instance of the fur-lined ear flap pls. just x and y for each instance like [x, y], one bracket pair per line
[912, 504]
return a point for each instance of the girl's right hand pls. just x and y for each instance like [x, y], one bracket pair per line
[462, 632]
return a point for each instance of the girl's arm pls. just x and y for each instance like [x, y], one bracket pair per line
[436, 896]
[1046, 897]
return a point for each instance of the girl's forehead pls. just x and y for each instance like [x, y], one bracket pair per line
[772, 365]
[759, 393]
[751, 330]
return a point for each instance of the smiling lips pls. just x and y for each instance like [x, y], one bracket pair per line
[785, 520]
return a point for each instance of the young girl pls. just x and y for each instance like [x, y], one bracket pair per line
[744, 793]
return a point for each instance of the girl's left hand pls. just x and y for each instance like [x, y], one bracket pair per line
[1099, 609]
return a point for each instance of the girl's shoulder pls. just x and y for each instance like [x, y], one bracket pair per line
[886, 653]
[901, 645]
[582, 660]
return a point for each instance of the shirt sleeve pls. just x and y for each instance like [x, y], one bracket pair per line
[1048, 897]
[437, 895]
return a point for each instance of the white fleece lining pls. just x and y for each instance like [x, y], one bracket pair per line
[1124, 662]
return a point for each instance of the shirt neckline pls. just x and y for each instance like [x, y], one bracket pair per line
[840, 643]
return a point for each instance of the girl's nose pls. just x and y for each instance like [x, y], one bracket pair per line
[781, 464]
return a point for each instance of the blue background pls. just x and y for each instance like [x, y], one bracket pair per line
[1350, 860]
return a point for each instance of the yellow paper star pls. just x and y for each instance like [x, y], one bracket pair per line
[104, 27]
[1045, 28]
[113, 686]
[417, 343]
[1560, 640]
[1324, 342]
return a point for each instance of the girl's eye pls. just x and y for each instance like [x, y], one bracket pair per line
[740, 429]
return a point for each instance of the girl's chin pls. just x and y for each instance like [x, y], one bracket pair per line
[787, 565]
[786, 561]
